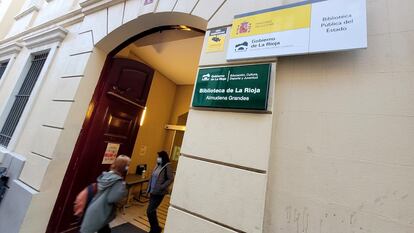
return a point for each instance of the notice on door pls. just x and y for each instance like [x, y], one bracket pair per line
[233, 87]
[111, 153]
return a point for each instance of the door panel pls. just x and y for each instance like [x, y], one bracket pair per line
[117, 106]
[119, 127]
[137, 89]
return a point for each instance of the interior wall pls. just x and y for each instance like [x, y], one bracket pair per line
[147, 144]
[151, 135]
[182, 102]
[178, 102]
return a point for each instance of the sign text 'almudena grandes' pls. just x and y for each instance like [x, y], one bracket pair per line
[313, 26]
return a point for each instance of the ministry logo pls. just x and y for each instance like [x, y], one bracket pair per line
[241, 47]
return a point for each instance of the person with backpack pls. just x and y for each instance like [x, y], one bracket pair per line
[159, 182]
[83, 199]
[110, 190]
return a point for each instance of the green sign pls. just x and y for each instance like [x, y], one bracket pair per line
[233, 87]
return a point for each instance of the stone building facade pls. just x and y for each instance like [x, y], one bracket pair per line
[334, 152]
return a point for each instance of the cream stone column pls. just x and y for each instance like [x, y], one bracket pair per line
[221, 181]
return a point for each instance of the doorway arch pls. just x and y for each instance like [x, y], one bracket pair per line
[108, 45]
[143, 25]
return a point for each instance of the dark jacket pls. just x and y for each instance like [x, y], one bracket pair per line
[165, 178]
[102, 209]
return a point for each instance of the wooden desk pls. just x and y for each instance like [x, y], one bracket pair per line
[133, 180]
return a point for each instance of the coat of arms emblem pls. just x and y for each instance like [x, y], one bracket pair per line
[244, 28]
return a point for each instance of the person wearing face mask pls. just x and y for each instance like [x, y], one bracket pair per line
[159, 182]
[111, 189]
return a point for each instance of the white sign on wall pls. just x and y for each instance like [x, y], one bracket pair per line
[306, 27]
[110, 153]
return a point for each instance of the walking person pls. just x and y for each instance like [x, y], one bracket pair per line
[160, 180]
[111, 189]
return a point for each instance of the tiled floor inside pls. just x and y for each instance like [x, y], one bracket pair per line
[136, 214]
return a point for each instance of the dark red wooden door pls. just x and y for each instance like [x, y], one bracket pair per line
[116, 108]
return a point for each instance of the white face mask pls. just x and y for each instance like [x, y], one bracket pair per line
[159, 160]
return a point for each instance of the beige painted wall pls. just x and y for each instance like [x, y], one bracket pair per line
[182, 102]
[8, 9]
[54, 9]
[166, 102]
[339, 136]
[151, 135]
[46, 11]
[342, 152]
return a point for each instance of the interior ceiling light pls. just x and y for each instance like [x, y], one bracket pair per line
[184, 28]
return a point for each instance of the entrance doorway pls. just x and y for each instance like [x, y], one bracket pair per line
[117, 106]
[174, 55]
[145, 86]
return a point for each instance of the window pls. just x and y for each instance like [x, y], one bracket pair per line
[3, 66]
[21, 98]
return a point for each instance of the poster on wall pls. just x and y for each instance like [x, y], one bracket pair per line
[110, 153]
[216, 40]
[313, 26]
[233, 87]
